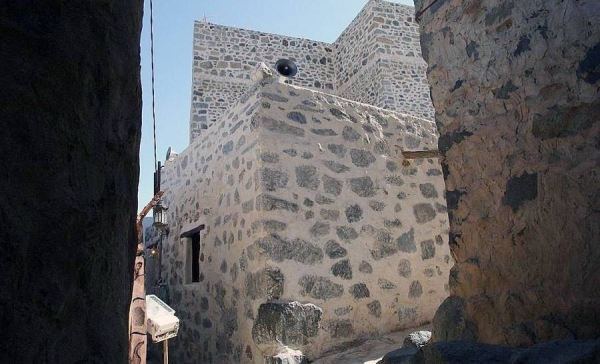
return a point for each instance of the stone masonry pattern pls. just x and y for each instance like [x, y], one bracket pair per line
[319, 199]
[304, 197]
[518, 111]
[376, 60]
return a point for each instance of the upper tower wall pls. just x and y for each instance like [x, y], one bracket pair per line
[225, 56]
[376, 60]
[381, 30]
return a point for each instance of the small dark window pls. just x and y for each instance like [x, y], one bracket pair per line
[191, 239]
[195, 258]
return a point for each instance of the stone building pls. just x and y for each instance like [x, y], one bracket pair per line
[376, 60]
[307, 212]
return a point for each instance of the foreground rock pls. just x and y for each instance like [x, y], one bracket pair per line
[464, 352]
[287, 356]
[400, 356]
[285, 323]
[515, 87]
[417, 339]
[70, 109]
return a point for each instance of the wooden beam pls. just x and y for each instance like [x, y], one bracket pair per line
[418, 154]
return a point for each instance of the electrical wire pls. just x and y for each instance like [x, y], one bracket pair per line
[416, 16]
[153, 96]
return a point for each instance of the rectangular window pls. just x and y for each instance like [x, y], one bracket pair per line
[195, 241]
[193, 257]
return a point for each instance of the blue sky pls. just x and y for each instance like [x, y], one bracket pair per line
[321, 20]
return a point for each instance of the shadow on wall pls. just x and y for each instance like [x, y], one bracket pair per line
[70, 105]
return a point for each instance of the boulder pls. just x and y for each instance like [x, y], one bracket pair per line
[400, 356]
[561, 351]
[470, 352]
[287, 356]
[285, 323]
[520, 169]
[450, 322]
[417, 339]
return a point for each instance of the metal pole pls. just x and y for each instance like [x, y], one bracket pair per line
[166, 351]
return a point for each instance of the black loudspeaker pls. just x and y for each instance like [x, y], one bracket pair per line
[286, 68]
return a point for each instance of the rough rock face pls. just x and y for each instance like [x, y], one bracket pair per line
[70, 108]
[516, 88]
[468, 352]
[285, 323]
[416, 339]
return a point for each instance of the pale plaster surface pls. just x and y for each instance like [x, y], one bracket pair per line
[317, 232]
[306, 197]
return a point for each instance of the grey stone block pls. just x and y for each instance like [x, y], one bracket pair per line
[335, 250]
[346, 233]
[332, 185]
[361, 158]
[350, 135]
[362, 186]
[359, 291]
[340, 328]
[404, 268]
[279, 249]
[406, 242]
[354, 213]
[307, 177]
[269, 203]
[342, 269]
[335, 166]
[320, 287]
[286, 323]
[267, 283]
[424, 212]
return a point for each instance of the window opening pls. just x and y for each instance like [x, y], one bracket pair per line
[195, 258]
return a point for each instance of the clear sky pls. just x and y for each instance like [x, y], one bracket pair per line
[321, 20]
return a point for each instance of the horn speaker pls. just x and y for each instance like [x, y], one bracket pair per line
[286, 68]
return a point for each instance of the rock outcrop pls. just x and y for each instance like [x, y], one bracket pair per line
[285, 323]
[70, 109]
[516, 88]
[469, 352]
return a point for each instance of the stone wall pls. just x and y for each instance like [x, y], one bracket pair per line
[224, 57]
[378, 60]
[379, 49]
[211, 100]
[70, 107]
[211, 184]
[516, 91]
[316, 230]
